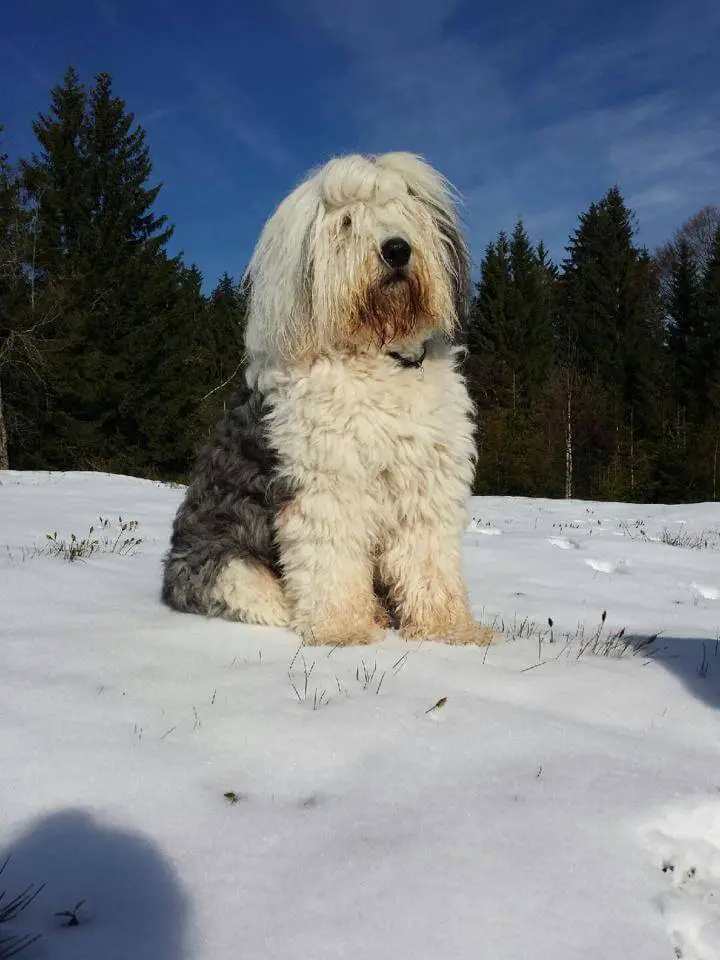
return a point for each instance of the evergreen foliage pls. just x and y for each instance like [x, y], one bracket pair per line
[126, 326]
[597, 378]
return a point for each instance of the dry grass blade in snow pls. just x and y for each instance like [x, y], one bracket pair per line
[11, 907]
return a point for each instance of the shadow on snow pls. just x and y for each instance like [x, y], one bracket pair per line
[134, 904]
[693, 660]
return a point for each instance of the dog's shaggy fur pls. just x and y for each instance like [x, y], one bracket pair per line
[333, 498]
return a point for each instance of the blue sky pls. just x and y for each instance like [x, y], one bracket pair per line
[532, 109]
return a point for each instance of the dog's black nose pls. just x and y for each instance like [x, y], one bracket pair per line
[396, 252]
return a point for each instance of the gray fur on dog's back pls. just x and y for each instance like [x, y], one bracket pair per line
[228, 510]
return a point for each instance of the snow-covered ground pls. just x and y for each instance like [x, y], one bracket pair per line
[212, 792]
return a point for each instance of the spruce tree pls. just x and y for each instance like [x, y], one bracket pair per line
[224, 333]
[24, 318]
[490, 339]
[530, 311]
[221, 351]
[7, 204]
[707, 351]
[511, 360]
[123, 224]
[512, 324]
[595, 287]
[165, 376]
[609, 331]
[57, 177]
[683, 318]
[100, 239]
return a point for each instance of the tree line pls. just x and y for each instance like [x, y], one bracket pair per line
[111, 356]
[598, 377]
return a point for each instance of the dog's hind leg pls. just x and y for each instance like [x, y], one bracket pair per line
[248, 591]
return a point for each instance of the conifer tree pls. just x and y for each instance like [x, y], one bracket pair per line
[24, 316]
[609, 331]
[531, 310]
[56, 179]
[490, 339]
[511, 360]
[707, 351]
[99, 238]
[683, 317]
[595, 287]
[221, 351]
[118, 170]
[224, 334]
[7, 278]
[512, 327]
[166, 376]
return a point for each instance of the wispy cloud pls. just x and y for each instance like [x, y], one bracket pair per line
[27, 68]
[150, 118]
[233, 111]
[537, 121]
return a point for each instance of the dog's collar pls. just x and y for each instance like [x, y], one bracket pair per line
[408, 362]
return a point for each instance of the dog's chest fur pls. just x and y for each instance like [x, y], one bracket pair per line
[370, 424]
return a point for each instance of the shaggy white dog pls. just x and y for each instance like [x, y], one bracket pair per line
[334, 496]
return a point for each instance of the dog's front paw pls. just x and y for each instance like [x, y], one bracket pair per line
[465, 633]
[471, 633]
[383, 619]
[340, 634]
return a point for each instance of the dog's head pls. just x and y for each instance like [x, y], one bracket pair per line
[365, 251]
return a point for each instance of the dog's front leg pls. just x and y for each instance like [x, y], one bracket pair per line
[422, 568]
[327, 565]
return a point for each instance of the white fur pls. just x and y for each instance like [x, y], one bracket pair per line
[382, 455]
[251, 593]
[308, 266]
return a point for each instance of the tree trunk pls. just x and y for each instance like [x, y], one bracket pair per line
[632, 451]
[568, 446]
[4, 459]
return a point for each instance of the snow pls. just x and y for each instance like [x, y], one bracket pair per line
[533, 800]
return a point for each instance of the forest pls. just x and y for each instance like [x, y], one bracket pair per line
[595, 378]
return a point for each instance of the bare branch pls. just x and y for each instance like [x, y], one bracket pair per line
[223, 384]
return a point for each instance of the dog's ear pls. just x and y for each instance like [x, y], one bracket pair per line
[460, 270]
[281, 277]
[306, 274]
[457, 256]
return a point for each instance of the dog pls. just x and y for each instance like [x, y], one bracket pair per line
[333, 497]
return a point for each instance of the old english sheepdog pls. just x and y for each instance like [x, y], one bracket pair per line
[333, 497]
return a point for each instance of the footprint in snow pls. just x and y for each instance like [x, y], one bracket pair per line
[485, 531]
[704, 592]
[563, 543]
[685, 843]
[607, 566]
